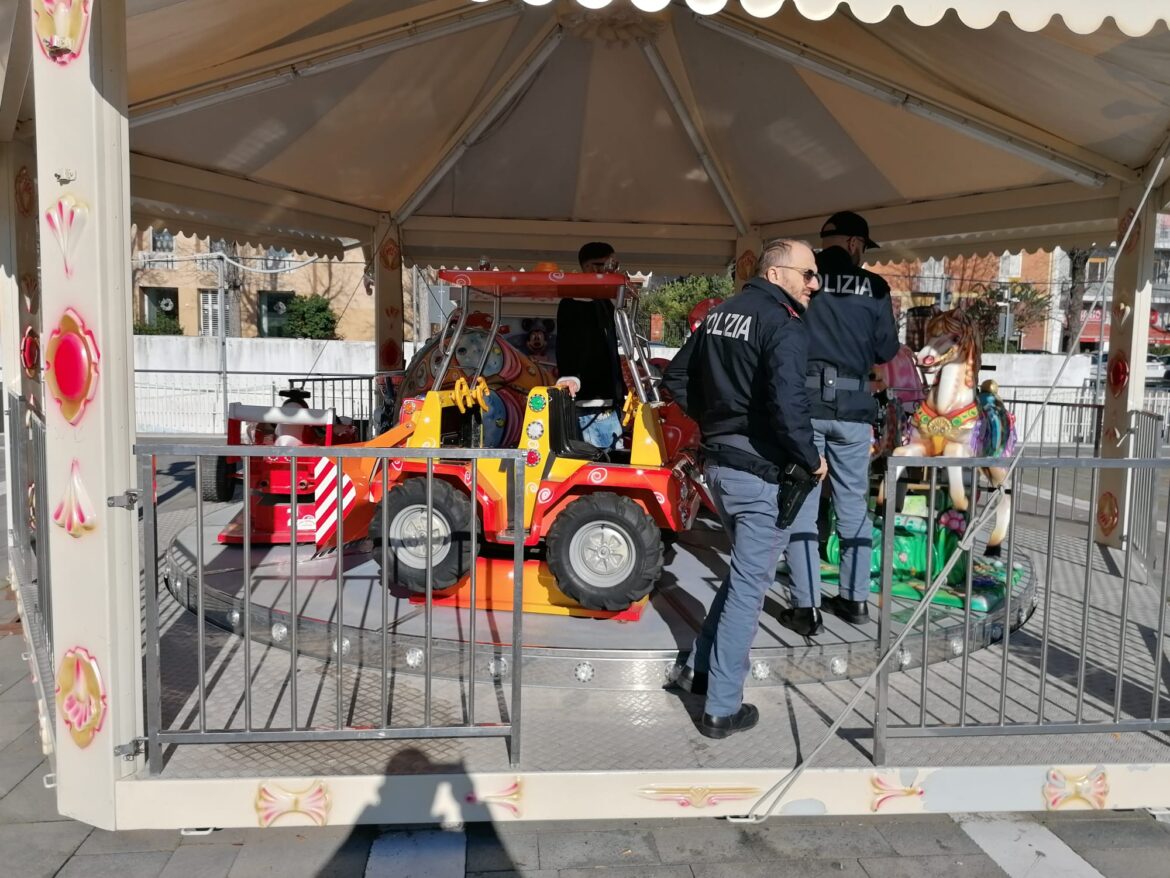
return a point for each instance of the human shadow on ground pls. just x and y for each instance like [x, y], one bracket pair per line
[460, 829]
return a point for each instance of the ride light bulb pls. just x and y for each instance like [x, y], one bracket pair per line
[583, 672]
[838, 666]
[233, 618]
[904, 658]
[761, 670]
[414, 657]
[498, 667]
[344, 646]
[279, 632]
[956, 645]
[996, 632]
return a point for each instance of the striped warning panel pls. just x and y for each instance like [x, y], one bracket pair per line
[327, 472]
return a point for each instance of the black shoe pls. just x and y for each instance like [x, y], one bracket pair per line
[722, 726]
[853, 612]
[690, 680]
[805, 621]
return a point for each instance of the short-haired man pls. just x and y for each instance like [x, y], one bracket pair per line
[741, 377]
[587, 354]
[851, 328]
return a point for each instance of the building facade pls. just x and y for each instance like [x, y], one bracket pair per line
[176, 289]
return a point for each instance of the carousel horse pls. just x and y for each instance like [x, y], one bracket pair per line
[956, 419]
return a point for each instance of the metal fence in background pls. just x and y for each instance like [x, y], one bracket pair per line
[253, 714]
[1093, 662]
[192, 401]
[30, 510]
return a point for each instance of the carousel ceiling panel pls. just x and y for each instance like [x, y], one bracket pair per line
[636, 163]
[1104, 93]
[352, 134]
[525, 164]
[175, 45]
[787, 153]
[920, 158]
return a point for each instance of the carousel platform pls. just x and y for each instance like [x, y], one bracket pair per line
[620, 739]
[559, 651]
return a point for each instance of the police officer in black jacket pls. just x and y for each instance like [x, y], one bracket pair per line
[741, 377]
[851, 327]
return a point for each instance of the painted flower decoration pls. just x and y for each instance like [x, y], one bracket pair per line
[60, 26]
[31, 495]
[390, 255]
[26, 192]
[274, 801]
[31, 288]
[30, 353]
[66, 220]
[81, 697]
[75, 511]
[71, 358]
[1063, 788]
[1108, 513]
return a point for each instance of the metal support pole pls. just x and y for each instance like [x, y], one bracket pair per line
[221, 283]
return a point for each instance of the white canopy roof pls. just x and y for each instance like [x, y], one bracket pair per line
[520, 131]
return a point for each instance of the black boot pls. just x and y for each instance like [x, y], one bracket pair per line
[853, 612]
[805, 621]
[689, 680]
[722, 726]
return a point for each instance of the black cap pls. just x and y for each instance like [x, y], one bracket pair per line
[848, 223]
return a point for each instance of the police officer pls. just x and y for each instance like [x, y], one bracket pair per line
[851, 327]
[741, 377]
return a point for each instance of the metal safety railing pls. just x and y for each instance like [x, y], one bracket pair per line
[1074, 429]
[1091, 662]
[281, 720]
[30, 511]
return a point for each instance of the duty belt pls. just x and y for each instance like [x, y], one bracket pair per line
[828, 382]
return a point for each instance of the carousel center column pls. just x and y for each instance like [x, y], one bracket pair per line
[389, 330]
[79, 71]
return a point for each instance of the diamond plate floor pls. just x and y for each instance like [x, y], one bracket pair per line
[579, 729]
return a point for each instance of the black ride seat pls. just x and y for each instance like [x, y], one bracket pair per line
[565, 431]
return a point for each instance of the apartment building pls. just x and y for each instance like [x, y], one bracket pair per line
[175, 276]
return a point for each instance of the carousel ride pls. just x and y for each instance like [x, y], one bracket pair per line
[620, 563]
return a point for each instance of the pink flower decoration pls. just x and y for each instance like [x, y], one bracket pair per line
[81, 697]
[60, 27]
[71, 358]
[75, 511]
[66, 220]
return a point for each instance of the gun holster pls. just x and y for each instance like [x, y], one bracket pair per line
[796, 483]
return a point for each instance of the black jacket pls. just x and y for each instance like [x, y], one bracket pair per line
[587, 349]
[851, 326]
[741, 376]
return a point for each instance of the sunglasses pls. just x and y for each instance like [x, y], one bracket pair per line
[809, 274]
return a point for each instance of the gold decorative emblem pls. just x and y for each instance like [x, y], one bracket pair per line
[698, 796]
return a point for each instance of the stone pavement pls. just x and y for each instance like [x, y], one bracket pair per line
[36, 843]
